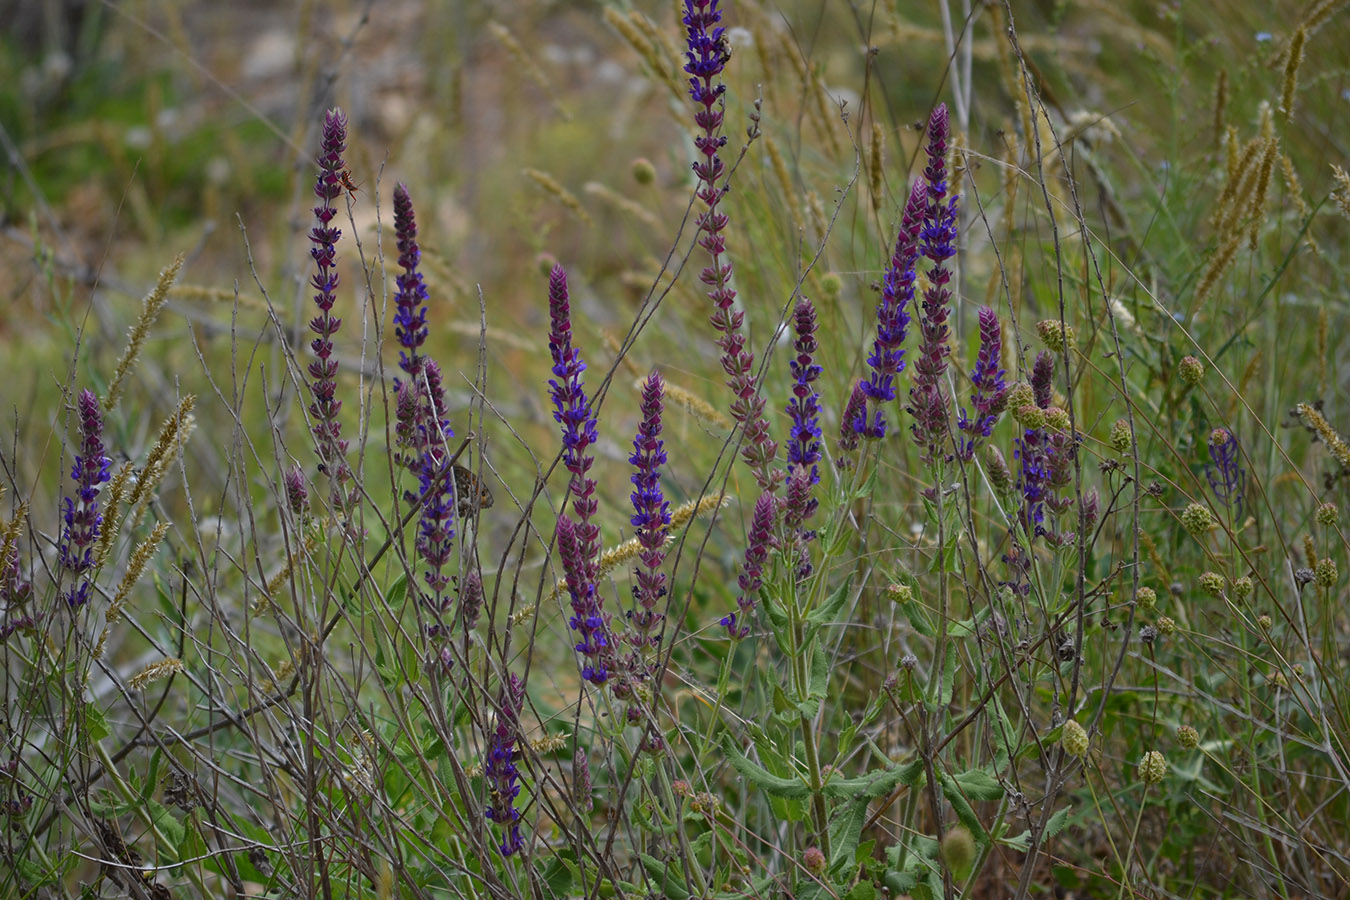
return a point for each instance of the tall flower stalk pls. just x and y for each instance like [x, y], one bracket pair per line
[651, 518]
[325, 406]
[804, 448]
[579, 541]
[928, 400]
[83, 521]
[423, 429]
[887, 359]
[706, 57]
[500, 771]
[991, 389]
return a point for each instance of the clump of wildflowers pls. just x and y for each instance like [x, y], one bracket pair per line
[1055, 334]
[1191, 370]
[1120, 436]
[1187, 737]
[1325, 573]
[1197, 519]
[1329, 515]
[1152, 767]
[1074, 739]
[887, 359]
[323, 368]
[500, 770]
[579, 542]
[92, 468]
[991, 390]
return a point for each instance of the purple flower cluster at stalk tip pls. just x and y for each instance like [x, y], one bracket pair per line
[804, 450]
[83, 521]
[422, 428]
[804, 407]
[928, 401]
[410, 318]
[855, 411]
[651, 517]
[500, 772]
[706, 56]
[325, 407]
[1046, 462]
[991, 389]
[887, 359]
[757, 548]
[297, 490]
[579, 542]
[1224, 471]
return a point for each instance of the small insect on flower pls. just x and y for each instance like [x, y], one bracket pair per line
[470, 491]
[345, 176]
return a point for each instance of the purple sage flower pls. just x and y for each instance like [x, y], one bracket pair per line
[760, 540]
[991, 390]
[1224, 470]
[297, 490]
[804, 450]
[410, 319]
[928, 401]
[855, 410]
[325, 407]
[706, 56]
[579, 542]
[651, 517]
[897, 292]
[83, 521]
[500, 772]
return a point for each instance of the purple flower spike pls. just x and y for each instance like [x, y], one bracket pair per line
[651, 516]
[410, 319]
[928, 401]
[737, 624]
[323, 369]
[804, 407]
[804, 447]
[991, 390]
[855, 410]
[83, 522]
[588, 618]
[1224, 471]
[581, 552]
[435, 491]
[897, 293]
[500, 772]
[706, 56]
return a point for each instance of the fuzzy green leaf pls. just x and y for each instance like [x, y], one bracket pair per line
[791, 788]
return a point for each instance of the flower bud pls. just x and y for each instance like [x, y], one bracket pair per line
[1191, 370]
[1152, 768]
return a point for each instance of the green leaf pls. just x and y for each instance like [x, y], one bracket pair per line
[845, 833]
[827, 611]
[874, 785]
[556, 878]
[977, 784]
[667, 876]
[863, 890]
[95, 725]
[167, 823]
[792, 788]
